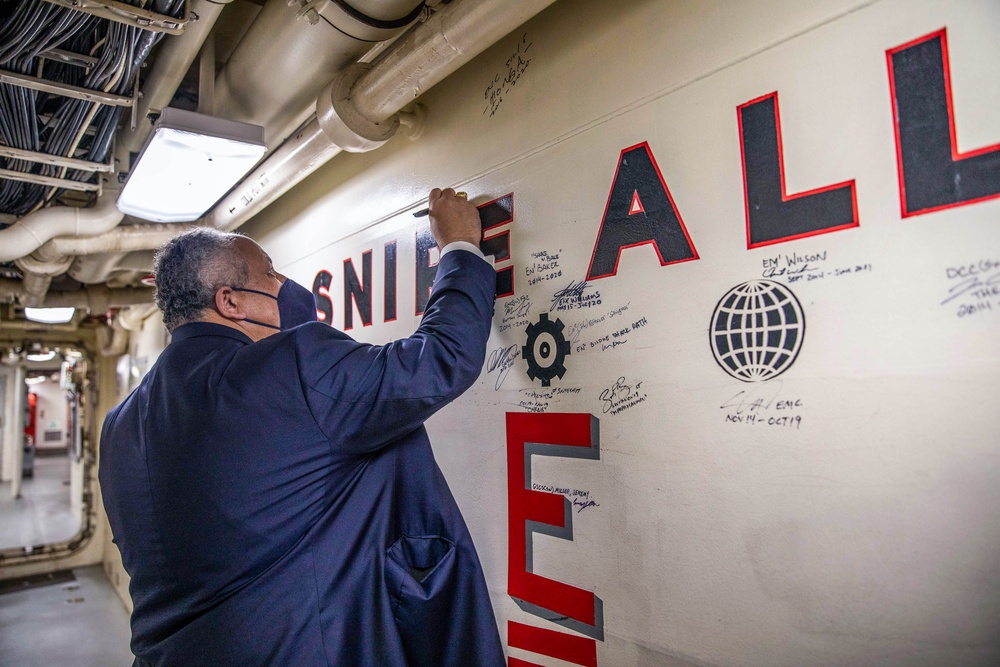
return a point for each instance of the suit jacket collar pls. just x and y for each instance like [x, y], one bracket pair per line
[195, 329]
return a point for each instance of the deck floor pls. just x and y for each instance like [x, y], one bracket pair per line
[81, 623]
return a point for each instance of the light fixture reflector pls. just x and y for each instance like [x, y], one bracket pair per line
[50, 315]
[190, 161]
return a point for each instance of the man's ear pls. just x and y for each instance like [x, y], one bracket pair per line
[228, 304]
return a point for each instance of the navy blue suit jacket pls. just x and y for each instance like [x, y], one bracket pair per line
[278, 503]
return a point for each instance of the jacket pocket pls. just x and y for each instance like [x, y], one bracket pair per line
[421, 575]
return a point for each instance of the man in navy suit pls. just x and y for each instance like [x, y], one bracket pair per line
[270, 483]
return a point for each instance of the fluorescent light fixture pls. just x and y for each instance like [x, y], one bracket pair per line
[41, 356]
[189, 162]
[50, 315]
[35, 380]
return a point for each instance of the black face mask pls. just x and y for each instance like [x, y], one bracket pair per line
[296, 305]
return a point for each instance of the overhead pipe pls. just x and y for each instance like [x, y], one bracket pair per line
[292, 49]
[112, 341]
[94, 298]
[133, 318]
[38, 277]
[126, 238]
[99, 299]
[358, 110]
[28, 325]
[107, 267]
[35, 229]
[287, 42]
[448, 40]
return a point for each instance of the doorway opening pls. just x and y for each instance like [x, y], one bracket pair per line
[45, 457]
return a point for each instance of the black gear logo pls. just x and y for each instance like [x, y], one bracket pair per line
[545, 350]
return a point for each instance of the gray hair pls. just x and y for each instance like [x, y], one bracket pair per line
[190, 268]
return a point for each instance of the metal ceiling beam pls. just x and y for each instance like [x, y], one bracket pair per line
[54, 160]
[121, 12]
[63, 89]
[48, 180]
[69, 57]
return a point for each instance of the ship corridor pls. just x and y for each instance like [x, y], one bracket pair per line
[746, 318]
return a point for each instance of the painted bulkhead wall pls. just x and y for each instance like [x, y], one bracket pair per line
[842, 513]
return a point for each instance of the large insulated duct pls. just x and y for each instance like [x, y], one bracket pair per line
[357, 110]
[290, 52]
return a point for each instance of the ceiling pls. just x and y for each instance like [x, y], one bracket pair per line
[82, 83]
[80, 90]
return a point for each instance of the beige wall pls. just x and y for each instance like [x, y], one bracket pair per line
[862, 530]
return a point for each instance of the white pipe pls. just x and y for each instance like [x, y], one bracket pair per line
[112, 341]
[303, 153]
[431, 51]
[113, 268]
[133, 318]
[289, 54]
[98, 298]
[35, 229]
[126, 238]
[448, 40]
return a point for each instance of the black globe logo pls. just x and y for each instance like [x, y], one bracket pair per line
[757, 330]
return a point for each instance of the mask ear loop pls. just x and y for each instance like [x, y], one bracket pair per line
[255, 291]
[261, 324]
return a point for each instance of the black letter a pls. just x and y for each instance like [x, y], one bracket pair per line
[640, 210]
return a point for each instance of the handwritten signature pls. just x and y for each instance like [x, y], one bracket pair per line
[760, 398]
[501, 360]
[973, 285]
[774, 272]
[581, 505]
[516, 64]
[620, 394]
[572, 293]
[519, 307]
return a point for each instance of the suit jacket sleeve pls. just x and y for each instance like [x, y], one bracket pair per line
[366, 396]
